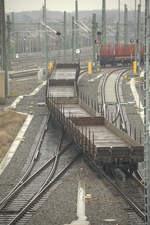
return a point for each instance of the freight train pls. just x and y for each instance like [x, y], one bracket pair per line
[124, 54]
[81, 118]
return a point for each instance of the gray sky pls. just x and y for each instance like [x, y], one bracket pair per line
[63, 5]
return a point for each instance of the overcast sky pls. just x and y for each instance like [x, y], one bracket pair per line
[63, 5]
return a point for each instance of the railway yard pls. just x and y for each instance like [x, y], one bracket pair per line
[58, 203]
[74, 115]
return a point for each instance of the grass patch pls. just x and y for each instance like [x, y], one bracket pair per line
[10, 124]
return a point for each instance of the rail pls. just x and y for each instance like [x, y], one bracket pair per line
[139, 209]
[41, 192]
[98, 110]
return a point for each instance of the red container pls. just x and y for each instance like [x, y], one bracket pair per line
[107, 50]
[124, 50]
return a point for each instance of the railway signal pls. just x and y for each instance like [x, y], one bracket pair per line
[131, 41]
[58, 43]
[96, 41]
[136, 63]
[98, 49]
[58, 33]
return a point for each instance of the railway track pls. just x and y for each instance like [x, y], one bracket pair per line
[134, 198]
[119, 106]
[30, 61]
[131, 190]
[111, 100]
[42, 173]
[33, 189]
[110, 97]
[23, 74]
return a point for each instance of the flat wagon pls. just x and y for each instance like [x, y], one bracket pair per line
[94, 135]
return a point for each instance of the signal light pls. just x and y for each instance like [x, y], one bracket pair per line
[132, 40]
[99, 33]
[58, 33]
[97, 41]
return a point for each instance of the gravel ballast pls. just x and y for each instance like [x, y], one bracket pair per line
[60, 208]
